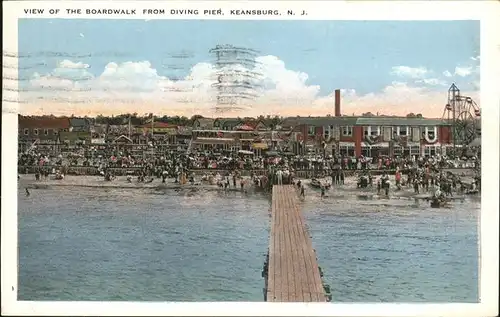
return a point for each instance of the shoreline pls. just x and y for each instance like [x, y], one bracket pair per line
[301, 174]
[347, 190]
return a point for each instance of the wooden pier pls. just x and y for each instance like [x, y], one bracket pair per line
[293, 274]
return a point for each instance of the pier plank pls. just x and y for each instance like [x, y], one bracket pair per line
[293, 268]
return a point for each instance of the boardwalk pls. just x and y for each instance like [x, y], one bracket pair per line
[293, 273]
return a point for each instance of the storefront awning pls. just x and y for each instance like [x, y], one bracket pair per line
[213, 141]
[261, 146]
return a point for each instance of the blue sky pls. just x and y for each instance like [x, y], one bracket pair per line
[359, 56]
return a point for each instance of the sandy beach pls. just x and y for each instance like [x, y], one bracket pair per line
[348, 189]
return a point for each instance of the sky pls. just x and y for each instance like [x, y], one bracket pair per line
[90, 67]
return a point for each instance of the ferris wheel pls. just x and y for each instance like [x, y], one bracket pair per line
[464, 115]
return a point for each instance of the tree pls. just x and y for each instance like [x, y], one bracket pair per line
[196, 117]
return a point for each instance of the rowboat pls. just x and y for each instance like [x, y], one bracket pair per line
[317, 184]
[436, 203]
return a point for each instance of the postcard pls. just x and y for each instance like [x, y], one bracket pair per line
[250, 158]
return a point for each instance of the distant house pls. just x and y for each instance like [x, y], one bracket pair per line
[258, 124]
[157, 128]
[44, 129]
[79, 125]
[75, 137]
[123, 139]
[203, 124]
[227, 124]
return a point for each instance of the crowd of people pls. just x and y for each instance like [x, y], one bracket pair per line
[421, 173]
[242, 161]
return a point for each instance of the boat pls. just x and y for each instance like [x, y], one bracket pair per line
[437, 203]
[109, 177]
[317, 184]
[362, 182]
[472, 192]
[59, 176]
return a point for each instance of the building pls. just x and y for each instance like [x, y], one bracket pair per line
[223, 140]
[227, 124]
[42, 131]
[79, 125]
[157, 128]
[368, 136]
[203, 123]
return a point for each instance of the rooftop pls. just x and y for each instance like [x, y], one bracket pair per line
[363, 121]
[43, 122]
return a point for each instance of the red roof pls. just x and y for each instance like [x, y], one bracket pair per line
[43, 123]
[245, 127]
[254, 123]
[158, 125]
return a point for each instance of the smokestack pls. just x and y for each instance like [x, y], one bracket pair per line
[338, 113]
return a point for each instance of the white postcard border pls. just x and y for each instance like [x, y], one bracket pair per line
[486, 11]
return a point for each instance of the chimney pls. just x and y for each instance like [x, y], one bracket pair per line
[338, 113]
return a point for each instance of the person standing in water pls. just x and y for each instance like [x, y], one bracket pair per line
[27, 192]
[302, 191]
[415, 186]
[322, 191]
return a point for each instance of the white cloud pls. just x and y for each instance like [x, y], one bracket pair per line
[470, 68]
[433, 81]
[69, 64]
[139, 80]
[463, 71]
[137, 87]
[411, 72]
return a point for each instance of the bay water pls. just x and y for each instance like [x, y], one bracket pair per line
[163, 245]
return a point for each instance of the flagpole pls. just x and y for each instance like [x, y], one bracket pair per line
[152, 134]
[129, 127]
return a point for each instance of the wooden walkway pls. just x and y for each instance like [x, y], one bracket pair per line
[293, 272]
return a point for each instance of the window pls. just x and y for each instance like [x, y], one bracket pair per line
[431, 134]
[366, 131]
[46, 131]
[35, 131]
[432, 150]
[26, 131]
[403, 131]
[326, 132]
[374, 131]
[347, 131]
[312, 130]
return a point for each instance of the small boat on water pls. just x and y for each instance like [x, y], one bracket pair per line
[59, 176]
[472, 192]
[362, 182]
[317, 184]
[438, 203]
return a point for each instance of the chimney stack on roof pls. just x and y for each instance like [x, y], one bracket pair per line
[338, 112]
